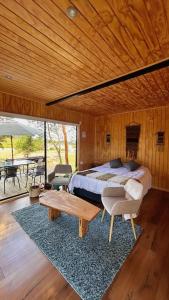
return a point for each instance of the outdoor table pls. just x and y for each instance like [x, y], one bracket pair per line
[16, 163]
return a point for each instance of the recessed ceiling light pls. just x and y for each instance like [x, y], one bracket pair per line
[9, 77]
[71, 12]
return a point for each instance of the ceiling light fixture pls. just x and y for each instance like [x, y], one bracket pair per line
[71, 12]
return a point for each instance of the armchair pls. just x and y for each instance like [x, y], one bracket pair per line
[120, 201]
[60, 176]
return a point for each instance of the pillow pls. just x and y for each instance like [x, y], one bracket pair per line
[106, 165]
[116, 163]
[132, 165]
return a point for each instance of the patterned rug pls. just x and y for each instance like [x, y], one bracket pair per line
[89, 264]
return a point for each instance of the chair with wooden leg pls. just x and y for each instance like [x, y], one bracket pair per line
[120, 201]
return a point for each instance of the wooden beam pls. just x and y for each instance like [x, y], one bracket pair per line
[148, 69]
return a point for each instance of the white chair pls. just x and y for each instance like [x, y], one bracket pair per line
[120, 201]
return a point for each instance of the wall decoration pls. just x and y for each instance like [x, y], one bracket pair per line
[160, 138]
[83, 134]
[132, 140]
[108, 138]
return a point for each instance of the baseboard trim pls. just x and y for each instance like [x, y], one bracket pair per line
[160, 189]
[14, 198]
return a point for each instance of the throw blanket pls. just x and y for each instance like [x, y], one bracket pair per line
[85, 173]
[104, 176]
[120, 179]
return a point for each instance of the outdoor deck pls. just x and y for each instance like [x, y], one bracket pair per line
[13, 190]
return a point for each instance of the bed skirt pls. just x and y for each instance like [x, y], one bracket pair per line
[82, 193]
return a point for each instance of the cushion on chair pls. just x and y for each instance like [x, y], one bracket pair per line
[63, 169]
[120, 205]
[116, 163]
[113, 192]
[134, 189]
[109, 202]
[128, 197]
[60, 180]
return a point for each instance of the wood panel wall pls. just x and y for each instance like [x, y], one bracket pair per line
[21, 106]
[152, 156]
[94, 147]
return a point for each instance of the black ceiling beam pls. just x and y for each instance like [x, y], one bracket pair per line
[131, 75]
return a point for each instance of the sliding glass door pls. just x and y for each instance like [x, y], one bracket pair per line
[21, 151]
[61, 145]
[30, 150]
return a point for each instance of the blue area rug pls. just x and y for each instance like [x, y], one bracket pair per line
[89, 264]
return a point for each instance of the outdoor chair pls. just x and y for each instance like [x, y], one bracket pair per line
[38, 171]
[60, 176]
[11, 172]
[120, 201]
[1, 173]
[9, 160]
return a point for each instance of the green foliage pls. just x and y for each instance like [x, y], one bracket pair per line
[26, 144]
[6, 141]
[1, 142]
[38, 144]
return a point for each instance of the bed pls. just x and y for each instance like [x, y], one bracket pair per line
[90, 183]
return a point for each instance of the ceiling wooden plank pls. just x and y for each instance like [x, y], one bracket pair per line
[80, 33]
[123, 97]
[47, 36]
[88, 29]
[40, 73]
[29, 49]
[27, 32]
[95, 19]
[48, 55]
[111, 20]
[137, 73]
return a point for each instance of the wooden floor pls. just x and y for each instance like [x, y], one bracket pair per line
[25, 273]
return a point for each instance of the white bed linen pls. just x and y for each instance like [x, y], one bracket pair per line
[96, 186]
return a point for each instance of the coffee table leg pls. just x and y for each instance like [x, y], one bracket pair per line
[53, 213]
[83, 227]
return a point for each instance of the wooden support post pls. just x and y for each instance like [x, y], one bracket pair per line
[53, 213]
[83, 227]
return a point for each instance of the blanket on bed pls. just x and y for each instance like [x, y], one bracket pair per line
[104, 176]
[119, 179]
[86, 172]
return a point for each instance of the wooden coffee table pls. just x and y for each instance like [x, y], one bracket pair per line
[62, 201]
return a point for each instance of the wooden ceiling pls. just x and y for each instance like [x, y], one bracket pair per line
[44, 55]
[150, 90]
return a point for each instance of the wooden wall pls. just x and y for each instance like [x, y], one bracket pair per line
[151, 120]
[17, 105]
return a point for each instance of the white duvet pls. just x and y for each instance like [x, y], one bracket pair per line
[96, 186]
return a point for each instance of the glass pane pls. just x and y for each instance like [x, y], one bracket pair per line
[61, 145]
[21, 150]
[22, 161]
